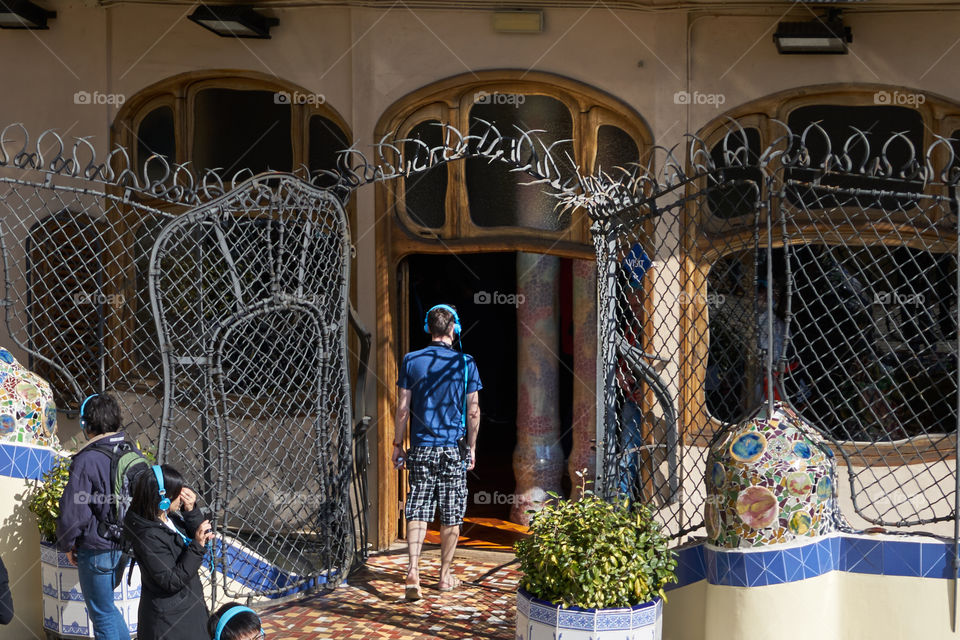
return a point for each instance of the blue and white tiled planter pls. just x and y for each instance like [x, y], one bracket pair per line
[64, 611]
[542, 620]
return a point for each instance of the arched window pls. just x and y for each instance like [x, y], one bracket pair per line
[476, 200]
[226, 122]
[873, 274]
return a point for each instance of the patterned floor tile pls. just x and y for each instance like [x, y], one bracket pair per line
[371, 605]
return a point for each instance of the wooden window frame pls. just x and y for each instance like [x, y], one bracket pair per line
[180, 92]
[940, 117]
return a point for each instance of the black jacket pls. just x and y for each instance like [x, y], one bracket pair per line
[6, 600]
[171, 603]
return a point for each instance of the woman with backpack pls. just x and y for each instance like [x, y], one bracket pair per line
[168, 534]
[85, 505]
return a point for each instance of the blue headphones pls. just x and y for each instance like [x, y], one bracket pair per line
[83, 405]
[456, 319]
[164, 500]
[228, 614]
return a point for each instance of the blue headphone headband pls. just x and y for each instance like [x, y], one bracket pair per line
[164, 500]
[456, 319]
[227, 615]
[83, 406]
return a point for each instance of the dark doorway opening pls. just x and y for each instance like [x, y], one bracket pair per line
[480, 286]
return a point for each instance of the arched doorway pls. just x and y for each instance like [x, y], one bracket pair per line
[471, 234]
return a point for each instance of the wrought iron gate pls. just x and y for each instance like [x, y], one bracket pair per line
[250, 296]
[217, 313]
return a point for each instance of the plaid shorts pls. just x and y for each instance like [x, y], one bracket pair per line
[438, 477]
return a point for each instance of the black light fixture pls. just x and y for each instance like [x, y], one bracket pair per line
[23, 14]
[824, 35]
[233, 21]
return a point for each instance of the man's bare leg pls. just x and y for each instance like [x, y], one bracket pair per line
[416, 532]
[448, 546]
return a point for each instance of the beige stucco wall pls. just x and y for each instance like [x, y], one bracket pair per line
[833, 606]
[364, 60]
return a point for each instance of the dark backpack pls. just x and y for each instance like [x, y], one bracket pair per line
[126, 463]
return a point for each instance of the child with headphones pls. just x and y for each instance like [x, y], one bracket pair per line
[169, 535]
[235, 622]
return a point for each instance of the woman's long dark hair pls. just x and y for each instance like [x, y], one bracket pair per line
[145, 493]
[239, 626]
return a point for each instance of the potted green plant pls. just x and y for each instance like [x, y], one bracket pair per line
[592, 569]
[64, 610]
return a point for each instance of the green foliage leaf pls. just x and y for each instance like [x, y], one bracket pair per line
[595, 554]
[45, 498]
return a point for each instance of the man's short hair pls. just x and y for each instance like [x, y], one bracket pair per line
[440, 320]
[102, 415]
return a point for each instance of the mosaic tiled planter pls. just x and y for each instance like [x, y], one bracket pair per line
[769, 480]
[64, 611]
[542, 620]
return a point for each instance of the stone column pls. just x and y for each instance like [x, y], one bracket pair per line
[538, 458]
[584, 373]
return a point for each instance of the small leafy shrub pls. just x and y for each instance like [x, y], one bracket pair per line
[593, 554]
[45, 498]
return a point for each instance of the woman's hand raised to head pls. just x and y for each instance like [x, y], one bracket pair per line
[204, 533]
[188, 499]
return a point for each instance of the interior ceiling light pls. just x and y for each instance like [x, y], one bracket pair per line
[234, 21]
[518, 21]
[825, 35]
[23, 14]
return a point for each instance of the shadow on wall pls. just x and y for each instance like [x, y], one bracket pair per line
[20, 549]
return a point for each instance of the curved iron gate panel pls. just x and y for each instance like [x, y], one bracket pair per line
[250, 298]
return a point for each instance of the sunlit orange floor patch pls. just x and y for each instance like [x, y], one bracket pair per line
[492, 534]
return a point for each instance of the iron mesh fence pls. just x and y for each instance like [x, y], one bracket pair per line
[217, 313]
[827, 279]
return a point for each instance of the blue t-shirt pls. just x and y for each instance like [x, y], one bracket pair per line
[434, 376]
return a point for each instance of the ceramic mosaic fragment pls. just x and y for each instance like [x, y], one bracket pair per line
[28, 413]
[769, 480]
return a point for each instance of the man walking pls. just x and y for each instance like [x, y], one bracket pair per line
[85, 504]
[438, 395]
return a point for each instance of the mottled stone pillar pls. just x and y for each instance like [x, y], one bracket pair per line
[584, 373]
[538, 458]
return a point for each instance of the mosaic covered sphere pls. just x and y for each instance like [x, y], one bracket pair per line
[27, 411]
[770, 479]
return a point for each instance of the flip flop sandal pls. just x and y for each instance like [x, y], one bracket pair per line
[412, 592]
